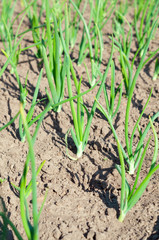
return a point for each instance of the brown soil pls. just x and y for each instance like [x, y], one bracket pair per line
[83, 199]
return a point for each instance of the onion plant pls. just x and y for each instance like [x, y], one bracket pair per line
[80, 133]
[74, 22]
[6, 14]
[31, 110]
[129, 197]
[145, 14]
[49, 106]
[55, 69]
[31, 229]
[23, 96]
[102, 11]
[31, 12]
[123, 44]
[35, 24]
[8, 36]
[85, 45]
[124, 50]
[57, 7]
[11, 55]
[95, 57]
[36, 27]
[110, 102]
[118, 21]
[2, 180]
[156, 72]
[132, 158]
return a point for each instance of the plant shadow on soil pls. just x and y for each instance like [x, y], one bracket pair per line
[5, 232]
[99, 183]
[155, 232]
[105, 190]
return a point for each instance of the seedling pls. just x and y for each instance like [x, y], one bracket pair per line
[2, 180]
[118, 21]
[8, 36]
[74, 21]
[129, 197]
[31, 231]
[156, 72]
[123, 44]
[146, 13]
[35, 23]
[126, 66]
[131, 158]
[113, 93]
[95, 60]
[80, 136]
[55, 69]
[23, 95]
[25, 190]
[7, 10]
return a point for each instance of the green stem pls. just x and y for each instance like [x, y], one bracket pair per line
[122, 215]
[132, 90]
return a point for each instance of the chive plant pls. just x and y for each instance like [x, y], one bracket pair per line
[146, 13]
[129, 197]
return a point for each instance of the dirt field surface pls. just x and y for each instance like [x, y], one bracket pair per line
[83, 200]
